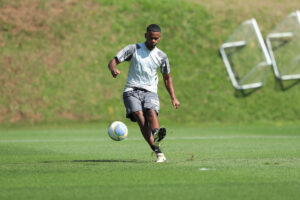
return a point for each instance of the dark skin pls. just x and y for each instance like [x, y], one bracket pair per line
[148, 119]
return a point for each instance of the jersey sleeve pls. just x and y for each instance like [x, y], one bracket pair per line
[126, 53]
[165, 65]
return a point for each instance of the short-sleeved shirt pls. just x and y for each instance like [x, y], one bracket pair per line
[143, 66]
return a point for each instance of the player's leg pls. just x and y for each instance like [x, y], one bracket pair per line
[143, 124]
[146, 131]
[158, 133]
[134, 111]
[151, 117]
[151, 108]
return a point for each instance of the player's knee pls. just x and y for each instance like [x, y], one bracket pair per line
[138, 115]
[151, 113]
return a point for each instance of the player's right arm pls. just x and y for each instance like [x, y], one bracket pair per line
[112, 67]
[123, 55]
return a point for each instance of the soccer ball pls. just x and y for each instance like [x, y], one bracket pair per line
[117, 131]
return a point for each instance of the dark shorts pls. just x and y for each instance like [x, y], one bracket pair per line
[139, 99]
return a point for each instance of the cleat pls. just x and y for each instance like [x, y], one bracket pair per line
[159, 135]
[161, 158]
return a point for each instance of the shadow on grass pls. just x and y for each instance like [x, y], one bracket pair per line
[286, 85]
[94, 161]
[110, 161]
[244, 93]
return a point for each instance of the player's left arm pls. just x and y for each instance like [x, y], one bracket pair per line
[169, 85]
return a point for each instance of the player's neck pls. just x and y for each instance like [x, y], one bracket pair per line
[150, 48]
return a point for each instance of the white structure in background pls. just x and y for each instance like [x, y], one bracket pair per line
[284, 47]
[246, 57]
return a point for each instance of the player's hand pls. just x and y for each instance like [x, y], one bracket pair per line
[115, 72]
[175, 103]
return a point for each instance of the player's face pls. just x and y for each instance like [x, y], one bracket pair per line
[152, 39]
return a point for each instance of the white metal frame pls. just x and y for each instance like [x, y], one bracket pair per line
[238, 84]
[269, 45]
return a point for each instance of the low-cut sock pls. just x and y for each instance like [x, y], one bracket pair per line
[156, 149]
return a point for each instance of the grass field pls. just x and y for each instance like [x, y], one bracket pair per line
[53, 63]
[54, 56]
[221, 162]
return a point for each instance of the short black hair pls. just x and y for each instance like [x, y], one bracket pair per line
[153, 28]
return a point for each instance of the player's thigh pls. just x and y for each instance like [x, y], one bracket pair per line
[151, 102]
[132, 102]
[139, 117]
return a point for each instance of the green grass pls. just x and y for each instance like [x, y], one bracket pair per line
[54, 55]
[217, 162]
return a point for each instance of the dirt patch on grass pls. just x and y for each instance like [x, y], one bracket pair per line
[38, 37]
[20, 69]
[31, 15]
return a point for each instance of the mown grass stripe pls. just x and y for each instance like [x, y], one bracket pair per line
[135, 139]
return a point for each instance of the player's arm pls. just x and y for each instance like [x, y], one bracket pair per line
[169, 85]
[112, 67]
[123, 55]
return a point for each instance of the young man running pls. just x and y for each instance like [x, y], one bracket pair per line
[140, 93]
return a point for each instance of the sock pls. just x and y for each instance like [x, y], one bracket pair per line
[156, 149]
[155, 130]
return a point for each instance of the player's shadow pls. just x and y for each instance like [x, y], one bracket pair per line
[94, 161]
[108, 161]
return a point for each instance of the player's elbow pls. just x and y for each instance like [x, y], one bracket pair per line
[167, 77]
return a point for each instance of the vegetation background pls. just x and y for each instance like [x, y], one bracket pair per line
[54, 55]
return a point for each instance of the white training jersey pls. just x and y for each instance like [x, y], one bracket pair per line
[143, 66]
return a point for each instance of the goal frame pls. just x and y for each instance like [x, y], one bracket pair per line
[238, 84]
[269, 45]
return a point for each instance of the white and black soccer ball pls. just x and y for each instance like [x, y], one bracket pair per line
[117, 131]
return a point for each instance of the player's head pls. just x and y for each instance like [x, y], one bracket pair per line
[153, 28]
[152, 35]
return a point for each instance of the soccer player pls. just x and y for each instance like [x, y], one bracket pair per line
[140, 94]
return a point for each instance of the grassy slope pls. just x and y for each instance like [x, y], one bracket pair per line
[53, 62]
[253, 162]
